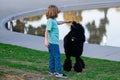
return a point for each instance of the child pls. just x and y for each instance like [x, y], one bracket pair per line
[52, 41]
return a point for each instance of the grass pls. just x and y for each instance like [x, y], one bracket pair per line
[18, 60]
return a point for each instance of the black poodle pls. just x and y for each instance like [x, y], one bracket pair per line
[73, 46]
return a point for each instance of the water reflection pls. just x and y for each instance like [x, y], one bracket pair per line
[98, 24]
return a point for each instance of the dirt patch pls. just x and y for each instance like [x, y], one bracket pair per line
[24, 77]
[17, 74]
[10, 77]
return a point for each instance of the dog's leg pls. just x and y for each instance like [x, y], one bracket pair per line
[78, 65]
[67, 64]
[82, 62]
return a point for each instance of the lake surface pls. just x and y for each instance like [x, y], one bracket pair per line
[102, 26]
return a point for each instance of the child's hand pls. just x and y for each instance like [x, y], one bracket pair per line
[62, 22]
[46, 43]
[69, 21]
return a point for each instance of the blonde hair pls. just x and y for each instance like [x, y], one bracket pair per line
[52, 12]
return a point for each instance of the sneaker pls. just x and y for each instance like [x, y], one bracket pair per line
[61, 75]
[51, 74]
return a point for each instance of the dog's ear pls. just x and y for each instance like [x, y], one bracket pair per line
[73, 25]
[73, 22]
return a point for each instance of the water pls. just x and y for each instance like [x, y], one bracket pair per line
[102, 26]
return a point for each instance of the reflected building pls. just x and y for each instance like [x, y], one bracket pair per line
[33, 18]
[118, 9]
[73, 15]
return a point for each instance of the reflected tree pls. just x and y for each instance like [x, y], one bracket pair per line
[97, 33]
[94, 33]
[19, 27]
[31, 30]
[41, 30]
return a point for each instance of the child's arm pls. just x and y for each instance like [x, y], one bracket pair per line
[62, 22]
[46, 38]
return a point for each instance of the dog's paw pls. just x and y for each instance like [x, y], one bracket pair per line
[67, 65]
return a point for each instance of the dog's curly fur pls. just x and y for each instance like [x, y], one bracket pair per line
[73, 46]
